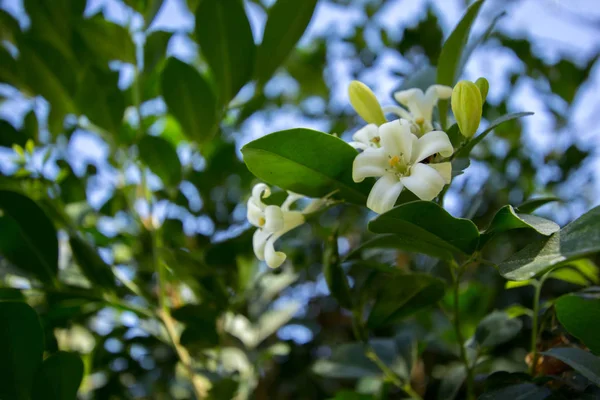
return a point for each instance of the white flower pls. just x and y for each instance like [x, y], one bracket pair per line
[272, 222]
[402, 161]
[368, 136]
[420, 106]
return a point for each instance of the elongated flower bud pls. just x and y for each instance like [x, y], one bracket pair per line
[467, 107]
[483, 86]
[365, 103]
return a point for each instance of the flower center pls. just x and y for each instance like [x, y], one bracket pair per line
[420, 121]
[376, 140]
[262, 221]
[399, 167]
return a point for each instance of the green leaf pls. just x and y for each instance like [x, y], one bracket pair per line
[497, 328]
[31, 126]
[287, 21]
[148, 8]
[403, 294]
[29, 237]
[507, 219]
[307, 162]
[51, 21]
[448, 64]
[406, 243]
[91, 264]
[576, 240]
[162, 159]
[155, 49]
[226, 41]
[531, 205]
[9, 135]
[107, 40]
[452, 382]
[466, 150]
[334, 273]
[21, 349]
[9, 27]
[58, 378]
[190, 99]
[9, 70]
[521, 391]
[580, 360]
[429, 223]
[579, 315]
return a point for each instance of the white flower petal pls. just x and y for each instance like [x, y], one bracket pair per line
[254, 213]
[370, 163]
[291, 220]
[273, 219]
[407, 96]
[358, 145]
[397, 140]
[436, 92]
[397, 110]
[260, 191]
[290, 199]
[366, 134]
[444, 169]
[273, 258]
[431, 143]
[423, 181]
[384, 193]
[259, 241]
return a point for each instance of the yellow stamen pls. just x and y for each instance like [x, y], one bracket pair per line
[394, 161]
[420, 121]
[376, 139]
[262, 221]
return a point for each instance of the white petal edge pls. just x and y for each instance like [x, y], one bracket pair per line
[384, 193]
[370, 163]
[365, 134]
[424, 181]
[397, 140]
[273, 258]
[444, 169]
[254, 213]
[259, 241]
[431, 143]
[438, 92]
[273, 219]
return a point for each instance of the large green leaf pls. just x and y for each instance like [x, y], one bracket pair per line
[29, 238]
[21, 349]
[497, 328]
[531, 205]
[576, 240]
[334, 273]
[162, 159]
[448, 64]
[107, 40]
[430, 224]
[226, 41]
[406, 243]
[148, 8]
[155, 49]
[58, 378]
[399, 295]
[91, 264]
[579, 315]
[287, 21]
[521, 391]
[190, 99]
[304, 161]
[9, 27]
[580, 360]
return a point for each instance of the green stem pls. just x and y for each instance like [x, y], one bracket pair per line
[389, 374]
[411, 392]
[456, 275]
[534, 327]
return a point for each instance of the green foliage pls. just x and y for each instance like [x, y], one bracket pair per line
[59, 377]
[580, 360]
[577, 314]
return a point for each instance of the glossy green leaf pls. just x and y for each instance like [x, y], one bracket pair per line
[308, 162]
[579, 315]
[52, 21]
[448, 64]
[403, 294]
[226, 41]
[496, 328]
[576, 240]
[29, 237]
[162, 159]
[189, 99]
[531, 205]
[155, 49]
[58, 378]
[580, 360]
[21, 349]
[91, 264]
[430, 224]
[334, 273]
[287, 21]
[107, 40]
[466, 150]
[405, 243]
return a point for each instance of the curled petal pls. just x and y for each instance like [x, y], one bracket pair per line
[259, 192]
[431, 143]
[424, 181]
[397, 140]
[273, 219]
[366, 134]
[384, 193]
[370, 163]
[259, 241]
[254, 213]
[436, 92]
[290, 199]
[273, 258]
[399, 111]
[444, 169]
[407, 96]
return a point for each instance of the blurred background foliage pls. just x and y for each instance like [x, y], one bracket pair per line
[128, 133]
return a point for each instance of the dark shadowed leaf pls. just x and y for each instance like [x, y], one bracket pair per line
[155, 49]
[579, 315]
[580, 360]
[334, 273]
[21, 349]
[107, 40]
[427, 222]
[497, 328]
[307, 162]
[148, 8]
[190, 99]
[58, 378]
[91, 264]
[521, 391]
[162, 159]
[405, 243]
[226, 41]
[576, 240]
[287, 21]
[9, 135]
[452, 382]
[28, 236]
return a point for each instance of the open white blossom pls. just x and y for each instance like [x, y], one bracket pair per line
[368, 136]
[272, 222]
[403, 161]
[420, 106]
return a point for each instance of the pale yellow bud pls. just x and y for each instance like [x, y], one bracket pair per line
[365, 103]
[30, 146]
[467, 107]
[483, 86]
[19, 150]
